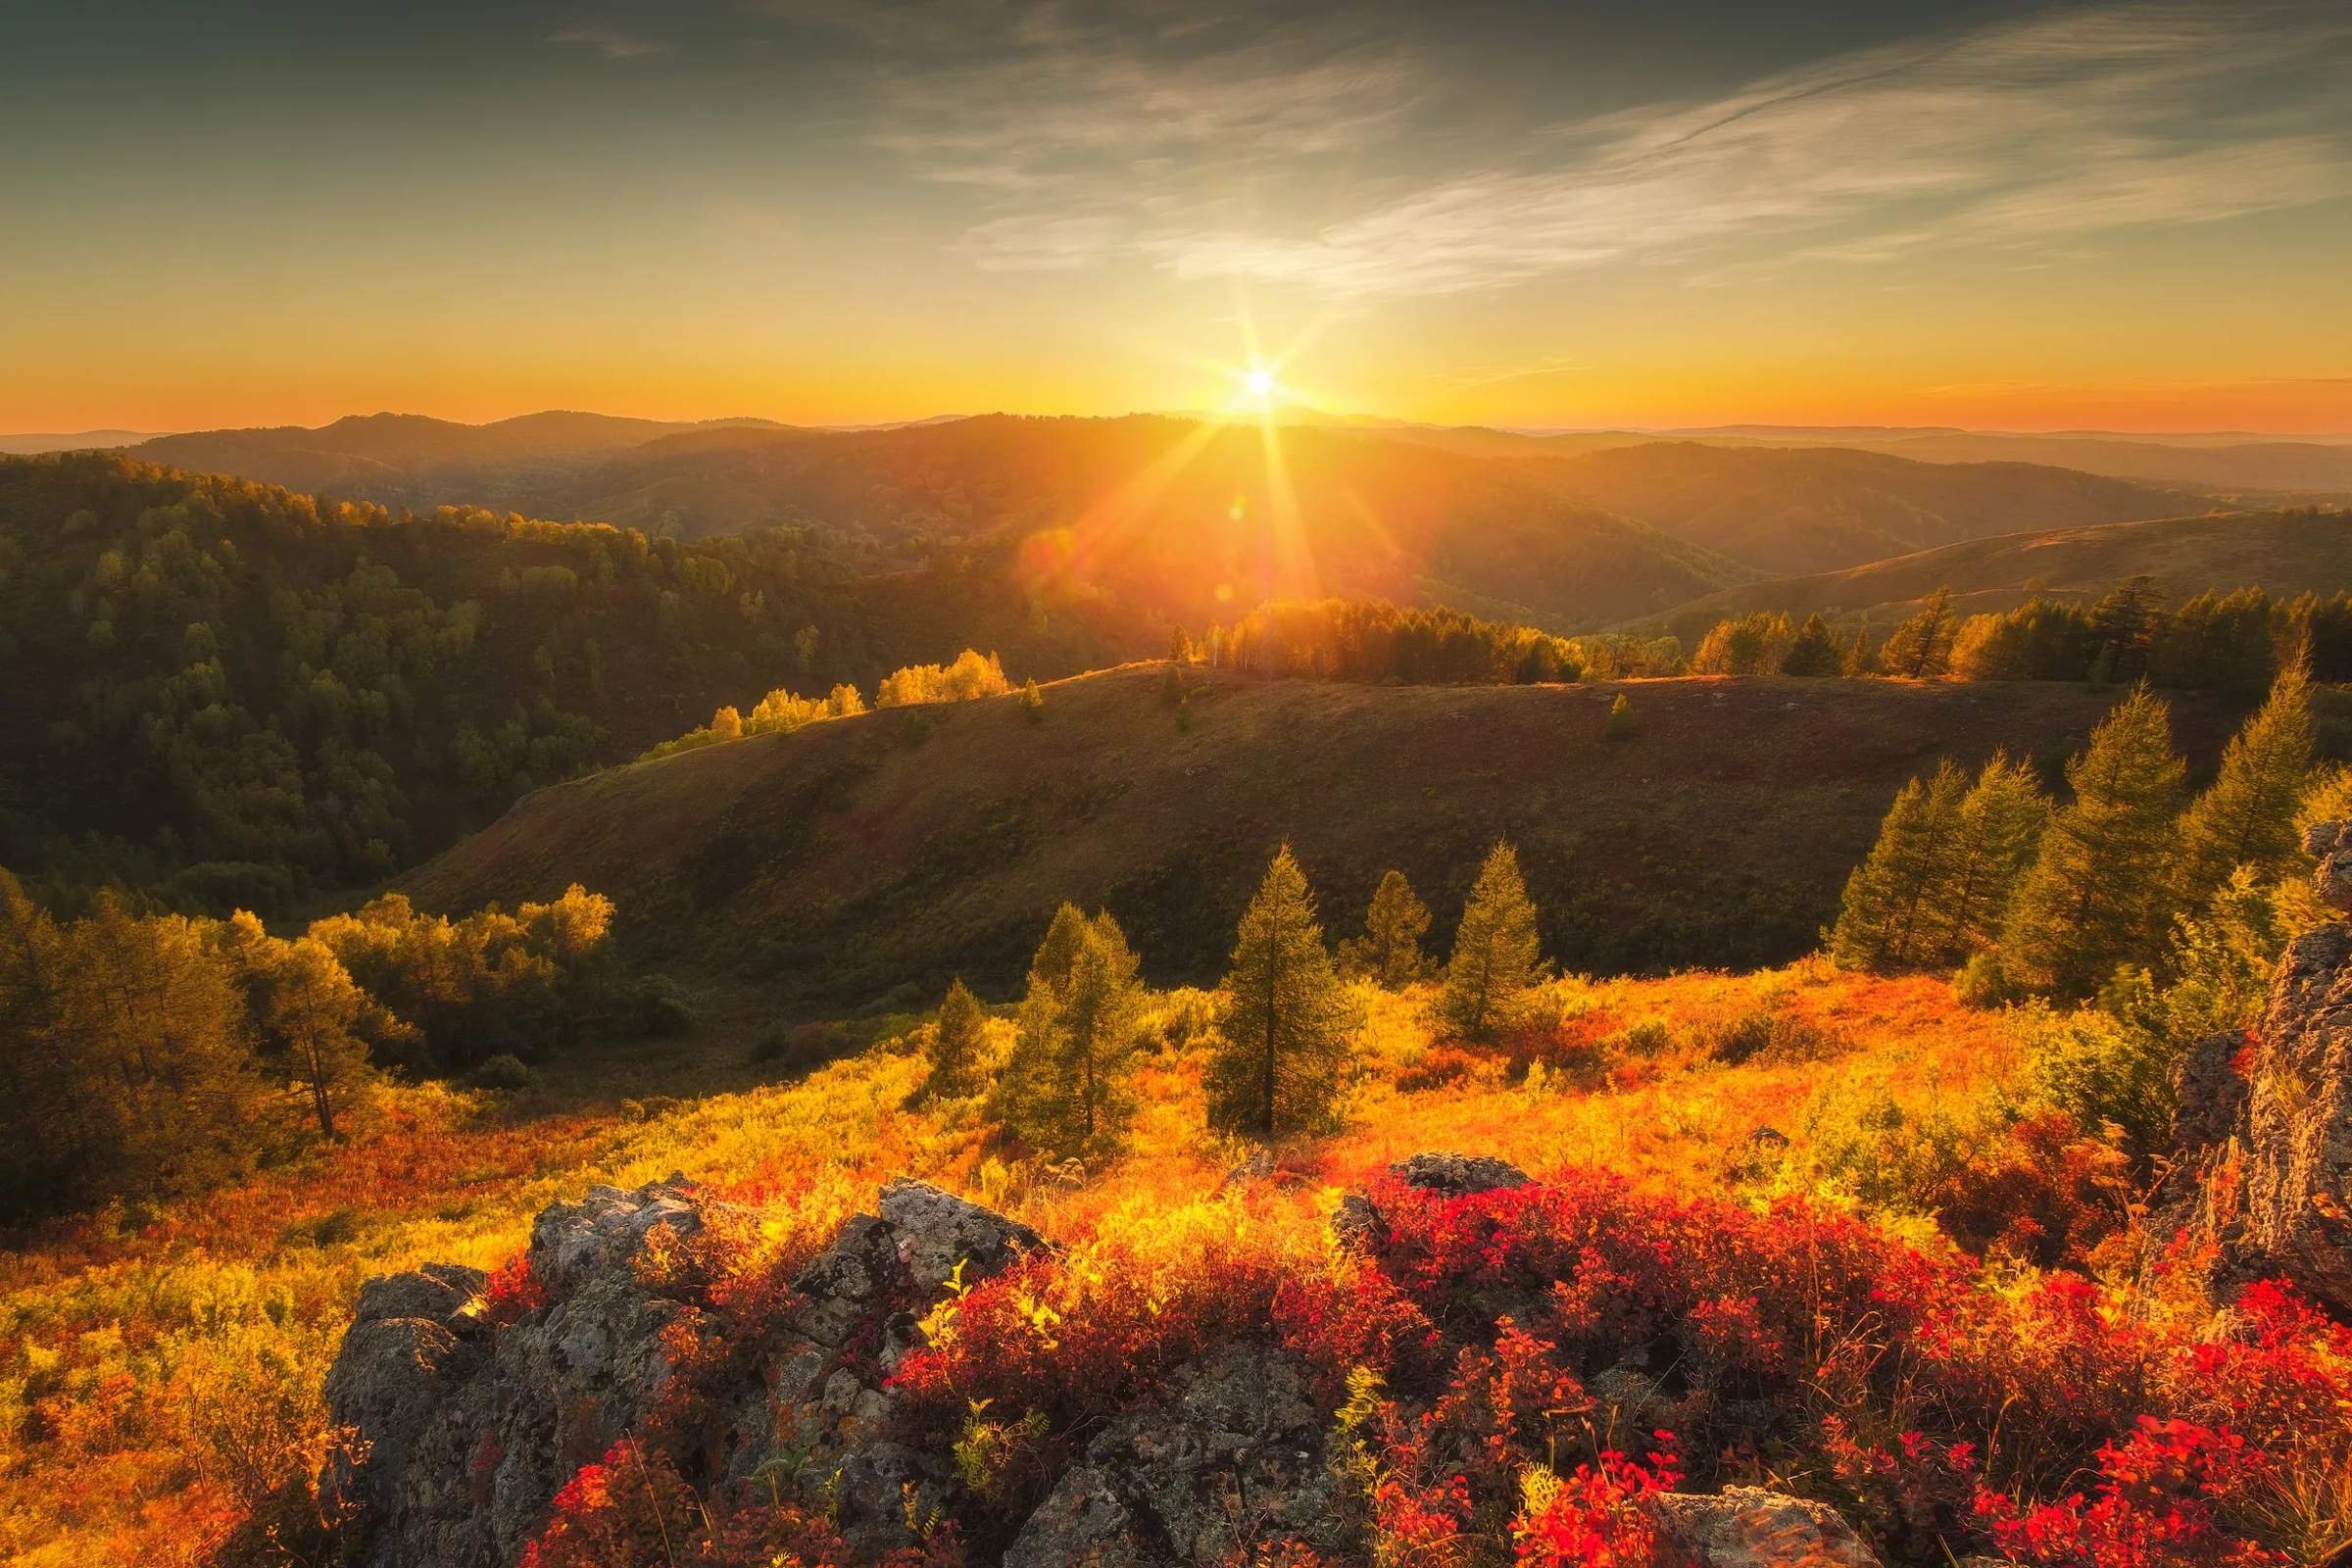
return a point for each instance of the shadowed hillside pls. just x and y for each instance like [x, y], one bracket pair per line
[842, 862]
[2282, 553]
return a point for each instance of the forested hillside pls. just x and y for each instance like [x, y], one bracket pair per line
[233, 689]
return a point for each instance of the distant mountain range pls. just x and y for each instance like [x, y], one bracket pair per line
[1189, 518]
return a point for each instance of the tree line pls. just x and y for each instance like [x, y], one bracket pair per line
[2229, 640]
[2165, 908]
[146, 1054]
[1280, 1038]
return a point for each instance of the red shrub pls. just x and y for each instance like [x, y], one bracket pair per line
[512, 1291]
[2157, 1494]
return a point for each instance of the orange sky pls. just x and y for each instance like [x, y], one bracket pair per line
[1999, 214]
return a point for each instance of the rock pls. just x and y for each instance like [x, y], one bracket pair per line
[466, 1431]
[2331, 844]
[1227, 1457]
[1357, 1223]
[2298, 1122]
[1458, 1175]
[1748, 1527]
[2209, 1095]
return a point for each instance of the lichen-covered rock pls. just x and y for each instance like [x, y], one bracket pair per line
[2208, 1094]
[464, 1433]
[1227, 1455]
[1748, 1527]
[1356, 1221]
[2298, 1140]
[2331, 844]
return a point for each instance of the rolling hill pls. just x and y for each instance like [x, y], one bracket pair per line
[1782, 510]
[2283, 553]
[842, 862]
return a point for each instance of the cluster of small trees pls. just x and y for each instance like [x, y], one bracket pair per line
[2232, 642]
[2053, 899]
[145, 1055]
[1368, 640]
[970, 676]
[1281, 1040]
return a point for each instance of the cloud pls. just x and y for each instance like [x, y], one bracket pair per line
[1186, 138]
[614, 44]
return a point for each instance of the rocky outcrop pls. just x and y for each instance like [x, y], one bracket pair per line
[1228, 1454]
[466, 1429]
[822, 1422]
[1747, 1527]
[1357, 1222]
[2298, 1121]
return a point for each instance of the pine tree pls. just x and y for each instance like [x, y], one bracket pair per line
[2001, 823]
[959, 1040]
[2092, 897]
[1284, 1019]
[1889, 904]
[1055, 955]
[1033, 702]
[1389, 953]
[1497, 954]
[1922, 646]
[2247, 817]
[1815, 651]
[2122, 627]
[1064, 1089]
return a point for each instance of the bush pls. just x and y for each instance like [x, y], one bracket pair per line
[504, 1072]
[656, 1007]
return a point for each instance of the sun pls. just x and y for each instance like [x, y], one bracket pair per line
[1259, 381]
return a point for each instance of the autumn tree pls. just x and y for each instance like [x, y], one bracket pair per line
[2001, 823]
[1815, 650]
[315, 1016]
[2247, 816]
[1619, 725]
[1497, 957]
[1389, 952]
[1888, 903]
[1282, 1018]
[1064, 1089]
[2093, 896]
[957, 1044]
[1922, 646]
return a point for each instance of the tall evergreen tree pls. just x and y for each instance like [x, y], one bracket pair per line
[2247, 817]
[1497, 957]
[1815, 651]
[1922, 646]
[1284, 1019]
[1389, 952]
[2122, 627]
[1064, 1089]
[314, 1015]
[1889, 907]
[959, 1040]
[2093, 896]
[2000, 825]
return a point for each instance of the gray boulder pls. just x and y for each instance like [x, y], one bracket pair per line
[1748, 1527]
[1356, 1221]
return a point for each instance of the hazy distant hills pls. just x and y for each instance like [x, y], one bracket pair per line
[1194, 521]
[2284, 554]
[72, 441]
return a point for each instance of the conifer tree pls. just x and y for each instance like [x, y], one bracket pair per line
[2093, 896]
[958, 1041]
[1922, 646]
[1889, 906]
[1389, 953]
[1064, 1089]
[1815, 651]
[2000, 825]
[2247, 817]
[1282, 1018]
[314, 1015]
[1497, 954]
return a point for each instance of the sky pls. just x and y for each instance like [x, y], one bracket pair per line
[1995, 214]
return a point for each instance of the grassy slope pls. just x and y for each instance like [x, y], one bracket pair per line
[838, 862]
[2283, 553]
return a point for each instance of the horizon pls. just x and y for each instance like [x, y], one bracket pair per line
[2002, 216]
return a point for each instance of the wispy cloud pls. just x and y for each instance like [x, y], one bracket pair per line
[614, 44]
[1126, 131]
